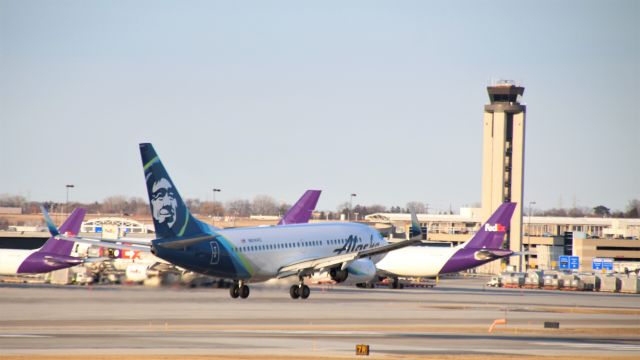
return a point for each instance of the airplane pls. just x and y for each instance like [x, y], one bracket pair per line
[426, 261]
[55, 254]
[348, 251]
[140, 265]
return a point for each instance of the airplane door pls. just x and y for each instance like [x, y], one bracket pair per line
[215, 253]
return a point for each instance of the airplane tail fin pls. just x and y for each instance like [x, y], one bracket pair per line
[415, 231]
[170, 214]
[301, 211]
[70, 227]
[492, 233]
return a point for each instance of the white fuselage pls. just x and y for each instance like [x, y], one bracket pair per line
[11, 259]
[416, 261]
[271, 250]
[264, 251]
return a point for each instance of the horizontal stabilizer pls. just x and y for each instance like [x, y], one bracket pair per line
[123, 245]
[55, 260]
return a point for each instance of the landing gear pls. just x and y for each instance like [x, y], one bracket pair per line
[244, 291]
[234, 291]
[395, 284]
[299, 291]
[239, 289]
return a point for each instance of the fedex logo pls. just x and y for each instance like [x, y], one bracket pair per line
[494, 228]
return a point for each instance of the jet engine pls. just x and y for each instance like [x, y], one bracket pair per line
[359, 271]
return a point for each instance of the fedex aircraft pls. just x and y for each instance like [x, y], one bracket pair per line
[348, 251]
[53, 255]
[483, 247]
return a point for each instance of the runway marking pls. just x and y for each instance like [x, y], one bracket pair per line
[23, 336]
[615, 347]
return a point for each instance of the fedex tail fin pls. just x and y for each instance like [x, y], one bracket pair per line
[491, 234]
[301, 211]
[70, 227]
[171, 217]
[415, 232]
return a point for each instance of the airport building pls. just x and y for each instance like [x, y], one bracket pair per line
[546, 237]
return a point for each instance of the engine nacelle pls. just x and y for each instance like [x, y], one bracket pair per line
[358, 272]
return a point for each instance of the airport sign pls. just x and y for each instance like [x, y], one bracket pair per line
[569, 262]
[602, 264]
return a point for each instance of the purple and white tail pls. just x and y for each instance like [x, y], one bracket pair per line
[492, 233]
[70, 227]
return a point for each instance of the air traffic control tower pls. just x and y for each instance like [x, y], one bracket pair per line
[503, 157]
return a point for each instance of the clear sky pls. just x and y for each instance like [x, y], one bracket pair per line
[379, 98]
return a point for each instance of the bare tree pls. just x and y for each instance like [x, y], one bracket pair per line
[238, 208]
[114, 204]
[419, 207]
[12, 200]
[264, 205]
[633, 209]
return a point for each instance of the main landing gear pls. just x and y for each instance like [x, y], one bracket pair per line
[301, 290]
[239, 289]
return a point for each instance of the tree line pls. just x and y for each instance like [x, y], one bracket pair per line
[266, 205]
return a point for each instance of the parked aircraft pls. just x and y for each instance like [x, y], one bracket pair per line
[426, 261]
[348, 251]
[53, 255]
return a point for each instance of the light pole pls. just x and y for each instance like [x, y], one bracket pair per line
[68, 186]
[528, 256]
[350, 206]
[214, 201]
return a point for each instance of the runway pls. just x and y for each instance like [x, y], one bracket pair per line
[451, 319]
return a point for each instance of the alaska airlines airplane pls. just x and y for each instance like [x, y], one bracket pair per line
[53, 255]
[348, 251]
[483, 247]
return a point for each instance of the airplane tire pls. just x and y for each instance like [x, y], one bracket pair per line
[294, 291]
[244, 291]
[234, 291]
[394, 283]
[305, 292]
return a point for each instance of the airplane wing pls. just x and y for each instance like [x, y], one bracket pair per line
[312, 265]
[128, 241]
[110, 244]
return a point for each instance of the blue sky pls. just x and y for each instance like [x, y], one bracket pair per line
[379, 98]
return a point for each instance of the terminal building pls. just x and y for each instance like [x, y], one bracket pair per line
[547, 238]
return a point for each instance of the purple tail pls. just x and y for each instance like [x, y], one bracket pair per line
[71, 226]
[301, 211]
[491, 234]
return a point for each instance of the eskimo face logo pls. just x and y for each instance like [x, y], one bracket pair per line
[164, 202]
[494, 228]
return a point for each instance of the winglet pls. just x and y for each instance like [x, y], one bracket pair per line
[52, 228]
[301, 211]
